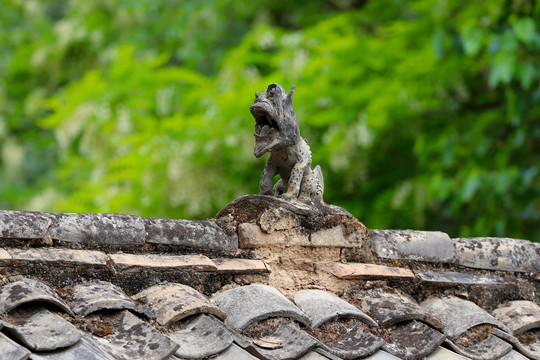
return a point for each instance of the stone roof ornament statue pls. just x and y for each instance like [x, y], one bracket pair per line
[277, 132]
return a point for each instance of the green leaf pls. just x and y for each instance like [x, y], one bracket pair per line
[526, 72]
[525, 29]
[437, 42]
[503, 69]
[471, 186]
[472, 39]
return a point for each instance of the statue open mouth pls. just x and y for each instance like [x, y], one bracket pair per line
[267, 133]
[264, 123]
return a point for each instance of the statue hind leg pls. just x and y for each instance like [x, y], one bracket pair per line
[312, 186]
[319, 184]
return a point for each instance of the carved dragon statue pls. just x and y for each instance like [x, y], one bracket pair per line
[277, 132]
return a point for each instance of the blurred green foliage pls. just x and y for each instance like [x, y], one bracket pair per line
[422, 114]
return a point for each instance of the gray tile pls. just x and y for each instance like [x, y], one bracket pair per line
[44, 331]
[513, 355]
[498, 254]
[492, 348]
[413, 340]
[235, 352]
[381, 355]
[28, 290]
[112, 229]
[99, 295]
[326, 354]
[531, 348]
[459, 315]
[452, 278]
[389, 308]
[10, 350]
[321, 306]
[88, 348]
[313, 355]
[23, 224]
[430, 246]
[130, 263]
[201, 336]
[295, 343]
[171, 302]
[195, 234]
[247, 304]
[445, 354]
[350, 339]
[520, 316]
[136, 340]
[59, 255]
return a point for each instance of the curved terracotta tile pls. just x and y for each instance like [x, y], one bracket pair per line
[28, 290]
[520, 315]
[201, 337]
[171, 302]
[93, 296]
[459, 315]
[321, 306]
[390, 308]
[247, 304]
[44, 331]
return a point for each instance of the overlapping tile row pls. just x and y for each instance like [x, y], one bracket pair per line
[115, 230]
[503, 254]
[89, 264]
[98, 320]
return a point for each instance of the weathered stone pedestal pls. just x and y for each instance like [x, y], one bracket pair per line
[300, 242]
[277, 221]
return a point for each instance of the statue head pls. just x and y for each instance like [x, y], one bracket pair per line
[275, 121]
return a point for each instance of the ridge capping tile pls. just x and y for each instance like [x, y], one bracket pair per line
[427, 246]
[352, 271]
[111, 229]
[23, 224]
[79, 257]
[492, 253]
[198, 234]
[155, 261]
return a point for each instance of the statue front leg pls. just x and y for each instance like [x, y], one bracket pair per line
[267, 178]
